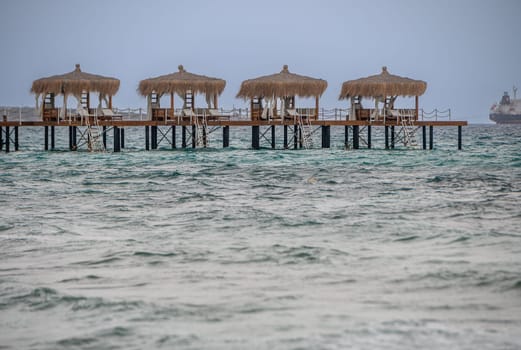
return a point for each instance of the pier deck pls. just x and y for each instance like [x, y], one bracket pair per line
[137, 123]
[195, 133]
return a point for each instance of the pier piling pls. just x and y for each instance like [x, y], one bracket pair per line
[386, 137]
[122, 135]
[104, 137]
[147, 138]
[1, 138]
[46, 138]
[356, 137]
[346, 136]
[75, 138]
[369, 136]
[117, 139]
[255, 137]
[326, 136]
[70, 138]
[183, 136]
[285, 137]
[459, 137]
[431, 137]
[226, 136]
[7, 140]
[194, 131]
[16, 138]
[52, 137]
[273, 136]
[153, 136]
[392, 136]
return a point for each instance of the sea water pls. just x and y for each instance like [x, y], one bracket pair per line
[269, 249]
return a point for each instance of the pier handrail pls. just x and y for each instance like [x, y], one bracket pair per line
[235, 113]
[436, 114]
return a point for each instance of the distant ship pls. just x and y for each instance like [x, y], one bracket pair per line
[508, 111]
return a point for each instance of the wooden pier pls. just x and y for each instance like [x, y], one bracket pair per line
[194, 135]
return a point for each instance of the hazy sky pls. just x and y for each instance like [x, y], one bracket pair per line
[468, 51]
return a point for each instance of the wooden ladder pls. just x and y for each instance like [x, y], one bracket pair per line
[409, 132]
[94, 135]
[305, 129]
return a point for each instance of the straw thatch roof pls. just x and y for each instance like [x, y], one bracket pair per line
[75, 83]
[383, 84]
[180, 82]
[282, 84]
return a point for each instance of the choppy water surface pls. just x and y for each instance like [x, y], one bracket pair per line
[242, 249]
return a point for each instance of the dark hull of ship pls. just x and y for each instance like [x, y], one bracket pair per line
[505, 118]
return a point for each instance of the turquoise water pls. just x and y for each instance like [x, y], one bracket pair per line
[242, 249]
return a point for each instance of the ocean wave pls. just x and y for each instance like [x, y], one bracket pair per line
[44, 298]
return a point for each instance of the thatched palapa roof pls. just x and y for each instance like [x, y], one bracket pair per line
[75, 83]
[283, 84]
[383, 84]
[180, 82]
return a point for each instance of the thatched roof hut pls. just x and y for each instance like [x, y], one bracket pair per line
[282, 84]
[180, 82]
[383, 84]
[75, 83]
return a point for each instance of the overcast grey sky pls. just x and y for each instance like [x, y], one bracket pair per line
[468, 52]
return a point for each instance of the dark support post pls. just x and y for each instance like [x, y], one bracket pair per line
[183, 136]
[369, 136]
[255, 137]
[117, 139]
[70, 138]
[153, 136]
[7, 140]
[295, 136]
[431, 136]
[424, 137]
[104, 136]
[74, 138]
[346, 136]
[147, 138]
[386, 137]
[459, 137]
[46, 138]
[205, 138]
[1, 139]
[173, 137]
[326, 136]
[273, 136]
[16, 138]
[392, 136]
[356, 136]
[226, 136]
[122, 135]
[52, 137]
[285, 137]
[194, 130]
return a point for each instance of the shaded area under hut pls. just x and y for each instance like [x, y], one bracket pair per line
[186, 85]
[264, 92]
[383, 88]
[78, 84]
